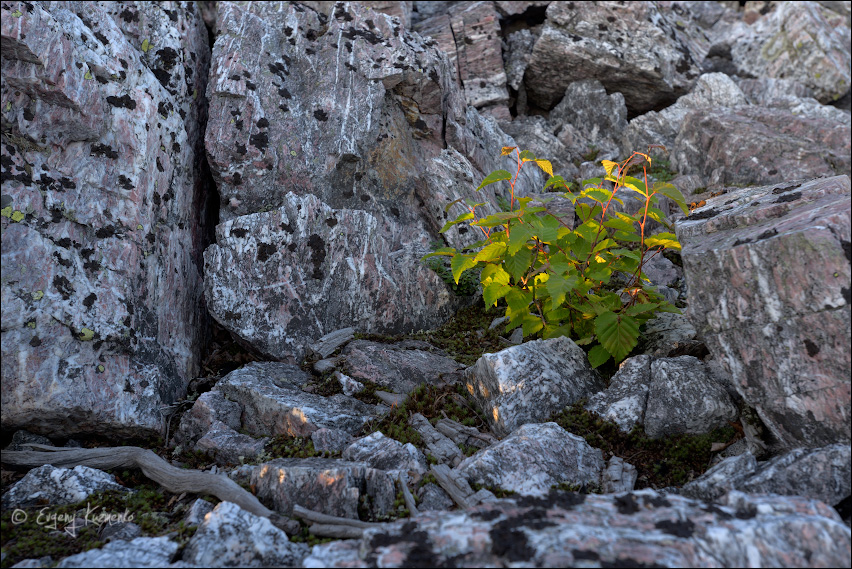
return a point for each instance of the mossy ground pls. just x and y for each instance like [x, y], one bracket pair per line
[154, 510]
[669, 461]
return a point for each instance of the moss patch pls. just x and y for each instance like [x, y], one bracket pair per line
[671, 461]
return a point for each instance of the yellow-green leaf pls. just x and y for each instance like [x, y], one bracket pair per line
[493, 292]
[460, 264]
[495, 176]
[494, 273]
[609, 166]
[519, 263]
[507, 150]
[618, 333]
[490, 252]
[146, 45]
[546, 166]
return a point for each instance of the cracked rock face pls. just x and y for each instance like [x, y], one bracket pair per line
[58, 486]
[768, 274]
[362, 126]
[102, 196]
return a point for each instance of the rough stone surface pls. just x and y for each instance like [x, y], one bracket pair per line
[383, 453]
[228, 447]
[330, 440]
[624, 401]
[439, 445]
[684, 398]
[232, 537]
[433, 497]
[58, 486]
[629, 48]
[533, 458]
[140, 552]
[820, 474]
[665, 333]
[209, 408]
[766, 90]
[399, 367]
[274, 403]
[327, 485]
[529, 382]
[768, 275]
[103, 219]
[802, 41]
[598, 120]
[639, 528]
[197, 511]
[119, 531]
[781, 145]
[618, 477]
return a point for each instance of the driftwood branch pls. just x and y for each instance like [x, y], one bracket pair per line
[338, 532]
[173, 479]
[406, 494]
[456, 486]
[320, 518]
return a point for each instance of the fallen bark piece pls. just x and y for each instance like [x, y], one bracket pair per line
[461, 434]
[324, 347]
[173, 479]
[335, 531]
[440, 446]
[406, 494]
[456, 486]
[321, 518]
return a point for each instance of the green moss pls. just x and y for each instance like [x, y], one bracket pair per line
[86, 335]
[17, 216]
[38, 295]
[282, 446]
[496, 490]
[670, 461]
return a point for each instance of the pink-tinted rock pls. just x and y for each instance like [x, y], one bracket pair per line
[470, 35]
[643, 528]
[627, 47]
[802, 41]
[757, 145]
[103, 213]
[768, 274]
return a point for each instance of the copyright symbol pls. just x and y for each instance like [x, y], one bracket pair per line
[19, 517]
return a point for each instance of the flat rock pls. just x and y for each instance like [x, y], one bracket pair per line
[58, 486]
[820, 474]
[232, 537]
[529, 382]
[432, 497]
[330, 440]
[441, 447]
[383, 453]
[327, 485]
[534, 458]
[139, 552]
[102, 218]
[666, 332]
[685, 398]
[599, 118]
[631, 49]
[274, 403]
[399, 367]
[768, 277]
[643, 527]
[228, 447]
[209, 408]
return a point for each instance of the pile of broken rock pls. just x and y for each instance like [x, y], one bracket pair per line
[331, 155]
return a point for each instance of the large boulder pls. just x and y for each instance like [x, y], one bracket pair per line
[643, 528]
[529, 382]
[102, 213]
[363, 126]
[768, 274]
[630, 48]
[803, 41]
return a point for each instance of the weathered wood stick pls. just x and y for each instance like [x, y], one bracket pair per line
[459, 490]
[406, 495]
[320, 518]
[173, 479]
[339, 532]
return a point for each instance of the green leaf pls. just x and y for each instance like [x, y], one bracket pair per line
[547, 228]
[597, 194]
[617, 333]
[494, 274]
[598, 356]
[527, 156]
[519, 263]
[490, 252]
[673, 193]
[556, 181]
[617, 223]
[518, 237]
[518, 300]
[641, 308]
[532, 324]
[495, 176]
[146, 45]
[463, 217]
[460, 264]
[558, 286]
[499, 218]
[442, 252]
[591, 181]
[493, 292]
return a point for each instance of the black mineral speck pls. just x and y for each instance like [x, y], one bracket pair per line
[90, 300]
[626, 504]
[125, 102]
[320, 115]
[677, 528]
[264, 251]
[317, 246]
[64, 286]
[812, 348]
[789, 197]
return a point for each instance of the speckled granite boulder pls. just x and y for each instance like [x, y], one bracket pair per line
[51, 486]
[140, 552]
[232, 537]
[634, 529]
[630, 48]
[624, 401]
[274, 404]
[103, 213]
[820, 474]
[768, 274]
[379, 451]
[529, 382]
[534, 458]
[327, 485]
